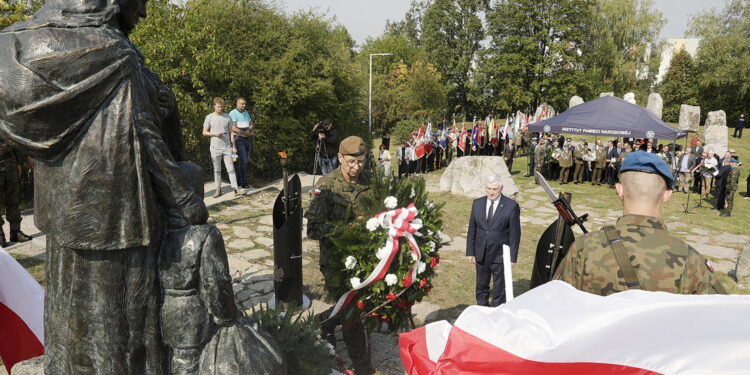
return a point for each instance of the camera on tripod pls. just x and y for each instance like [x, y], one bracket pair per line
[319, 127]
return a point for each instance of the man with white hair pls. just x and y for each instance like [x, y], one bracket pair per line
[495, 221]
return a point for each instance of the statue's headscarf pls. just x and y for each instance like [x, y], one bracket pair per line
[71, 13]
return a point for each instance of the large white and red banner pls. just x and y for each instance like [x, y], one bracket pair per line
[21, 313]
[556, 329]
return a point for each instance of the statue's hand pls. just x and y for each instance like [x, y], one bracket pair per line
[195, 212]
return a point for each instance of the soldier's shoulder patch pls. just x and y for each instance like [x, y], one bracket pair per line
[316, 191]
[709, 265]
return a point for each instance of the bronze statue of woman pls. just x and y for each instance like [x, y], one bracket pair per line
[76, 95]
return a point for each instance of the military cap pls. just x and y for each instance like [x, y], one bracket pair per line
[642, 161]
[352, 146]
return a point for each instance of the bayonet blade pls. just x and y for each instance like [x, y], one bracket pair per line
[545, 186]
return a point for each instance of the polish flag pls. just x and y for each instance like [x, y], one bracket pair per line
[21, 313]
[419, 149]
[462, 139]
[556, 329]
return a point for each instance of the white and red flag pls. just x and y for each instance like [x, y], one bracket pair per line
[21, 313]
[556, 329]
[462, 139]
[419, 148]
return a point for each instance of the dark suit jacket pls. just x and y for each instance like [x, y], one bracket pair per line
[484, 240]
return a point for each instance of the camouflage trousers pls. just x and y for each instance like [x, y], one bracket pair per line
[683, 181]
[729, 200]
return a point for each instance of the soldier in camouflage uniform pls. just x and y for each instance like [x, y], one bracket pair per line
[338, 198]
[566, 162]
[732, 183]
[540, 155]
[638, 252]
[10, 169]
[580, 150]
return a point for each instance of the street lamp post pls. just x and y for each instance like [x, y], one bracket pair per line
[369, 110]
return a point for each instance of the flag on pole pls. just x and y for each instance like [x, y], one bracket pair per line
[556, 329]
[474, 134]
[428, 139]
[419, 148]
[462, 139]
[21, 313]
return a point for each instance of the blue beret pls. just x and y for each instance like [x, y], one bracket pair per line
[643, 161]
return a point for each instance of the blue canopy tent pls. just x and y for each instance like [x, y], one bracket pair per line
[609, 117]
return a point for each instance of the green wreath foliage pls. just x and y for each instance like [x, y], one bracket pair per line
[353, 239]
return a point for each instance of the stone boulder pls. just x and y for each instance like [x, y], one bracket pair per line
[574, 101]
[629, 97]
[742, 269]
[690, 117]
[655, 104]
[606, 94]
[716, 133]
[33, 366]
[466, 176]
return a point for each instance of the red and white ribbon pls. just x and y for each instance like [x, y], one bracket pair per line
[400, 222]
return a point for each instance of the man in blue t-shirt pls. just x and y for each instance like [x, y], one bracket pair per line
[243, 130]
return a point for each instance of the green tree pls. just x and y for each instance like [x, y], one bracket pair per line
[723, 60]
[622, 51]
[294, 70]
[679, 85]
[534, 54]
[451, 33]
[12, 11]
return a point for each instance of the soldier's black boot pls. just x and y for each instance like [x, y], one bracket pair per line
[18, 236]
[3, 243]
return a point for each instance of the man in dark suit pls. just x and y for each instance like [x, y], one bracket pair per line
[495, 221]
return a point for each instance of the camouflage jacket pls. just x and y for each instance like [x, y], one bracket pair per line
[661, 262]
[540, 155]
[733, 179]
[335, 200]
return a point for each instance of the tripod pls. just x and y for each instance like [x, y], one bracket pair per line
[319, 147]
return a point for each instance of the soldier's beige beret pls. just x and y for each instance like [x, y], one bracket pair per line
[352, 146]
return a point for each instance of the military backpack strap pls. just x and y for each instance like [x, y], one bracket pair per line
[615, 242]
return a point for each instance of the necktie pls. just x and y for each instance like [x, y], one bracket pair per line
[492, 210]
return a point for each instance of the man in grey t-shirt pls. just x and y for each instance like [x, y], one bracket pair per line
[218, 126]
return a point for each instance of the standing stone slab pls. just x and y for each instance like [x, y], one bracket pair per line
[742, 269]
[574, 101]
[655, 104]
[629, 97]
[466, 176]
[690, 117]
[606, 94]
[716, 133]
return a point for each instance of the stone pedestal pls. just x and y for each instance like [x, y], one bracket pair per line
[574, 101]
[629, 97]
[655, 104]
[716, 133]
[606, 94]
[33, 366]
[466, 176]
[690, 117]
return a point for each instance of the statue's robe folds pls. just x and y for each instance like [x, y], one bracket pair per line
[75, 94]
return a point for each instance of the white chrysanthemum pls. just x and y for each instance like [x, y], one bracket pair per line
[391, 279]
[350, 262]
[372, 224]
[414, 257]
[421, 267]
[383, 252]
[431, 245]
[429, 232]
[390, 202]
[330, 348]
[439, 235]
[429, 205]
[355, 281]
[413, 193]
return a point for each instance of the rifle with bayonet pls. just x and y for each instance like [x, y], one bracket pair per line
[557, 238]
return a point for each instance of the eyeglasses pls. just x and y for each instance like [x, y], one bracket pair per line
[353, 162]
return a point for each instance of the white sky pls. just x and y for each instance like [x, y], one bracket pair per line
[365, 18]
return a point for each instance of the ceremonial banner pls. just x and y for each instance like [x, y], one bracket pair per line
[474, 133]
[428, 139]
[556, 329]
[462, 139]
[21, 313]
[419, 148]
